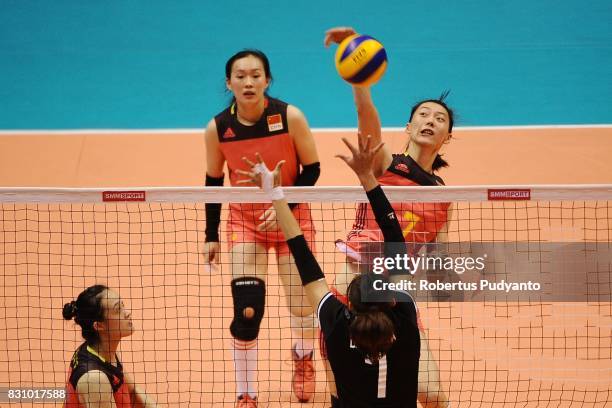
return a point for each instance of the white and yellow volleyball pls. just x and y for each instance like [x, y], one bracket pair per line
[361, 60]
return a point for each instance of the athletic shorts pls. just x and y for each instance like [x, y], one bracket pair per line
[244, 219]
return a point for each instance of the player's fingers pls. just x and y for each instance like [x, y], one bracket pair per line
[245, 181]
[244, 173]
[212, 255]
[350, 146]
[366, 143]
[327, 39]
[269, 225]
[247, 161]
[343, 158]
[377, 148]
[279, 165]
[360, 141]
[259, 159]
[264, 226]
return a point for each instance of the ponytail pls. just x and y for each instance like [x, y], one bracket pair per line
[438, 163]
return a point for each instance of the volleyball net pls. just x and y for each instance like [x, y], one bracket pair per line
[494, 345]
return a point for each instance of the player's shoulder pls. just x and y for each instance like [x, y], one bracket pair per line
[96, 384]
[405, 304]
[294, 112]
[276, 104]
[95, 376]
[330, 310]
[404, 165]
[211, 126]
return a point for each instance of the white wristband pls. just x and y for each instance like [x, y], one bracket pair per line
[267, 182]
[276, 194]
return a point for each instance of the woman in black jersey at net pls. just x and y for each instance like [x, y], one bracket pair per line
[373, 345]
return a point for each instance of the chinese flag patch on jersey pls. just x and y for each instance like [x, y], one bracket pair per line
[275, 122]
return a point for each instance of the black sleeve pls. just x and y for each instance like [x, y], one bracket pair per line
[385, 215]
[213, 212]
[307, 265]
[308, 177]
[406, 307]
[329, 311]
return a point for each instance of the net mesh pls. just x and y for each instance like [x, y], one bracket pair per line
[489, 353]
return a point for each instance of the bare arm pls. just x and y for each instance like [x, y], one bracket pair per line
[95, 391]
[311, 274]
[286, 220]
[430, 392]
[302, 136]
[369, 124]
[367, 114]
[214, 158]
[139, 398]
[214, 177]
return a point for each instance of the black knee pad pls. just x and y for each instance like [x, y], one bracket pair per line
[247, 292]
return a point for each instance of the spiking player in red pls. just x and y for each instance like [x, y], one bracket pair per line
[429, 128]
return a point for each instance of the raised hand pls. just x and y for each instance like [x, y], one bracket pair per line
[337, 34]
[260, 175]
[362, 156]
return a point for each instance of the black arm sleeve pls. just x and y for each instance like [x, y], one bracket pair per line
[213, 212]
[307, 265]
[387, 222]
[308, 177]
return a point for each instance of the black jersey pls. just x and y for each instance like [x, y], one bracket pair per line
[392, 382]
[84, 360]
[405, 171]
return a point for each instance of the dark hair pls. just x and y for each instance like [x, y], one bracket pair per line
[439, 162]
[245, 53]
[371, 329]
[86, 310]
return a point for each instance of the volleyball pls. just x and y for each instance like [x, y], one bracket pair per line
[361, 60]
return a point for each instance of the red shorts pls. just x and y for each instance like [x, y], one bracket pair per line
[244, 219]
[344, 300]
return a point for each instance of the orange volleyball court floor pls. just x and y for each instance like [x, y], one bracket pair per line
[489, 355]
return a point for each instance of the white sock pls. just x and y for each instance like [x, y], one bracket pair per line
[245, 365]
[302, 346]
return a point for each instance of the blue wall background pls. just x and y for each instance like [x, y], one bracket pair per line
[159, 64]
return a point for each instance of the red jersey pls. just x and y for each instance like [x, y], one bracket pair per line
[420, 222]
[86, 359]
[269, 137]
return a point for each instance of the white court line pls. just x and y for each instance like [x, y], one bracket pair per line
[190, 131]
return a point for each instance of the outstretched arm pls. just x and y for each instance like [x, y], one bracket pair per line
[310, 272]
[367, 114]
[430, 392]
[361, 163]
